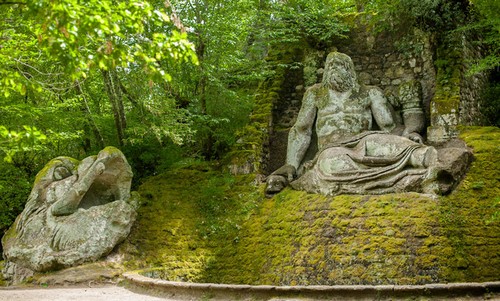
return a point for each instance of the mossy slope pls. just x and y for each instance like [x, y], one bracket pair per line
[466, 214]
[184, 216]
[197, 224]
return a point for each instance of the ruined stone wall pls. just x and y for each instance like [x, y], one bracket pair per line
[377, 61]
[458, 94]
[471, 86]
[387, 61]
[252, 151]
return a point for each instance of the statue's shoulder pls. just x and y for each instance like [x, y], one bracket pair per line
[370, 91]
[316, 90]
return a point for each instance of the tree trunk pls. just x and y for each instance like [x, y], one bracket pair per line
[90, 125]
[207, 144]
[202, 83]
[115, 96]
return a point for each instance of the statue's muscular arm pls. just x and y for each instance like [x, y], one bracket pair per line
[70, 201]
[381, 110]
[299, 137]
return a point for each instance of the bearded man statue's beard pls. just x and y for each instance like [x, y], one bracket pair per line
[339, 73]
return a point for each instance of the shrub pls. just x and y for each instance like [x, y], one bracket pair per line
[15, 187]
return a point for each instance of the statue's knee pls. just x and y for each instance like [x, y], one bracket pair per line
[337, 163]
[424, 157]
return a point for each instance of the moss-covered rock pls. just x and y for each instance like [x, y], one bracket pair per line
[184, 217]
[198, 224]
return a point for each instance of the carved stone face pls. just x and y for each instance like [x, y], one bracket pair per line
[97, 187]
[339, 72]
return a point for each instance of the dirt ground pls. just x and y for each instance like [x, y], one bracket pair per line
[108, 293]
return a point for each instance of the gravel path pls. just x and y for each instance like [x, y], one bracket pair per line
[109, 293]
[116, 293]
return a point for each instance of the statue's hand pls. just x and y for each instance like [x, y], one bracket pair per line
[288, 171]
[274, 184]
[279, 179]
[414, 137]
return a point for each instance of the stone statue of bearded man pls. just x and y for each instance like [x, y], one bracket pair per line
[352, 158]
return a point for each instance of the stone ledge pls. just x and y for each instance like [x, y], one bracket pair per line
[186, 291]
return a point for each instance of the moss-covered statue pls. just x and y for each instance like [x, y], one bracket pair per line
[77, 212]
[351, 157]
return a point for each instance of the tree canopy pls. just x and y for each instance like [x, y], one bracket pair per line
[166, 80]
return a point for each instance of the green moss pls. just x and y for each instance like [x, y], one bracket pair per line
[446, 99]
[2, 281]
[198, 224]
[465, 214]
[184, 215]
[294, 238]
[11, 233]
[446, 102]
[43, 173]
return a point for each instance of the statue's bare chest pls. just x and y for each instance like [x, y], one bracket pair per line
[348, 112]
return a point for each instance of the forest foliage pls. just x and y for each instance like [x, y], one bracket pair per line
[168, 80]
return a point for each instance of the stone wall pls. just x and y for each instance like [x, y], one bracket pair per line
[254, 146]
[387, 61]
[444, 111]
[377, 61]
[457, 98]
[471, 86]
